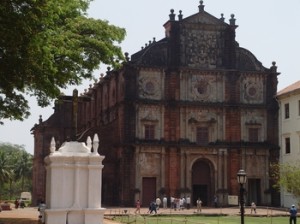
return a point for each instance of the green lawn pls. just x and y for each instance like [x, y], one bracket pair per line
[199, 220]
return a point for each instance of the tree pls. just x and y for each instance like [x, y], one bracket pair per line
[23, 167]
[15, 170]
[287, 177]
[47, 45]
[5, 170]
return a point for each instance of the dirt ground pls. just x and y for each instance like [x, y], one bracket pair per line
[26, 216]
[19, 216]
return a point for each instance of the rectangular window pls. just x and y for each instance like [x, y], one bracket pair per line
[202, 135]
[287, 146]
[149, 131]
[253, 134]
[286, 111]
[298, 107]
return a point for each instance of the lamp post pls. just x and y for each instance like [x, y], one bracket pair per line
[242, 178]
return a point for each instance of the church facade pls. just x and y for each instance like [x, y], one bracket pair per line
[179, 118]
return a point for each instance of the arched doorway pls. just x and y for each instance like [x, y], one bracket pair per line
[202, 182]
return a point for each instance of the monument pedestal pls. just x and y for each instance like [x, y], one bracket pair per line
[73, 184]
[55, 216]
[92, 216]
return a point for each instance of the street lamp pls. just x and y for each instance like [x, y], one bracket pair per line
[242, 178]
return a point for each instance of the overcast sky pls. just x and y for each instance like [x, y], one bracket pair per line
[270, 29]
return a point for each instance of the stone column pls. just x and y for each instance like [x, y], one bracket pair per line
[222, 176]
[188, 171]
[182, 168]
[163, 167]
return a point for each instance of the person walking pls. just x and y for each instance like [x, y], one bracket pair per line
[16, 203]
[152, 207]
[188, 202]
[172, 200]
[158, 202]
[21, 203]
[199, 205]
[138, 207]
[165, 202]
[41, 209]
[253, 207]
[293, 215]
[216, 201]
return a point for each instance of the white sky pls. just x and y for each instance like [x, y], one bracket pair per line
[270, 29]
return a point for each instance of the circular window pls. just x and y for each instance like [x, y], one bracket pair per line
[252, 91]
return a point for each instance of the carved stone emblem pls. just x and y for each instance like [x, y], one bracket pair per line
[252, 90]
[203, 49]
[201, 87]
[149, 87]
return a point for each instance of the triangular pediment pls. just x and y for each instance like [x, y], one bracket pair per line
[204, 18]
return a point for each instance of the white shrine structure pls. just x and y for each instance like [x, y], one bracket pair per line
[73, 183]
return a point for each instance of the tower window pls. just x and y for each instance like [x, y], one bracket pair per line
[202, 135]
[253, 134]
[149, 131]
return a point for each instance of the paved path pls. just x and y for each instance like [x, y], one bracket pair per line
[32, 213]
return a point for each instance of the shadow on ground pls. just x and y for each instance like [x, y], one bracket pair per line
[17, 221]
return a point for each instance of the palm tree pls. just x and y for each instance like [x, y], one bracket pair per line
[12, 158]
[5, 170]
[23, 167]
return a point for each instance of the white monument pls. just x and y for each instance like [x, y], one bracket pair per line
[73, 183]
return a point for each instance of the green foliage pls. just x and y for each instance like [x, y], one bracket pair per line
[5, 168]
[15, 170]
[47, 45]
[287, 177]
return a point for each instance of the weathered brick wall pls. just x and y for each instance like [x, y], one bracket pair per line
[199, 77]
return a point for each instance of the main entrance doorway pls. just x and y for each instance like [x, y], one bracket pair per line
[202, 182]
[149, 190]
[254, 191]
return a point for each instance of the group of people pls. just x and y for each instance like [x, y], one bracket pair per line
[292, 211]
[19, 203]
[180, 203]
[176, 204]
[154, 205]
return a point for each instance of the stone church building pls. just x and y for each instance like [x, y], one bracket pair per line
[179, 118]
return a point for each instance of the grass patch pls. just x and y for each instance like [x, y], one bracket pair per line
[157, 219]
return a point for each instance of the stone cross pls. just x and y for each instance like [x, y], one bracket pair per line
[74, 114]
